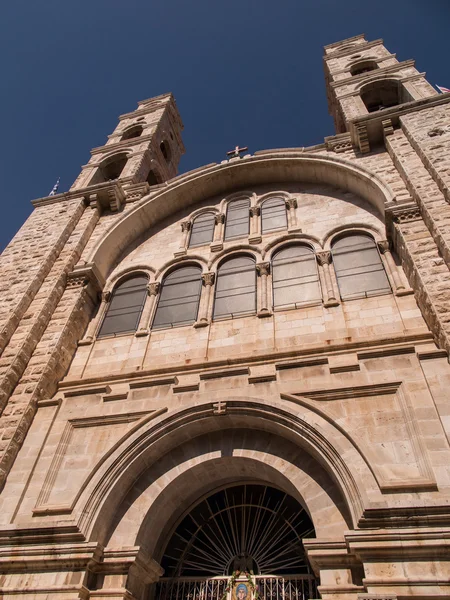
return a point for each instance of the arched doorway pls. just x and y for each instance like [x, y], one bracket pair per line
[250, 534]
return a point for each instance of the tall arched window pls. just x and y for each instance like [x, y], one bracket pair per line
[238, 219]
[235, 288]
[359, 270]
[273, 215]
[125, 309]
[295, 277]
[202, 230]
[111, 169]
[179, 298]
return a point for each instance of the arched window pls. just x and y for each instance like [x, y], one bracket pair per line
[363, 67]
[235, 288]
[132, 132]
[273, 215]
[152, 178]
[238, 219]
[202, 230]
[165, 150]
[383, 94]
[125, 307]
[111, 169]
[179, 298]
[359, 270]
[295, 277]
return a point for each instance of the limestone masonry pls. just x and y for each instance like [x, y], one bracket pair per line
[264, 353]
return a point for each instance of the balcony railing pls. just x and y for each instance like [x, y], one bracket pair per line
[289, 587]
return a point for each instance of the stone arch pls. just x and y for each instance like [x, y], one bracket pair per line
[193, 260]
[291, 240]
[159, 433]
[364, 228]
[195, 187]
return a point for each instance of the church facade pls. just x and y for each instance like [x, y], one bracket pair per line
[233, 384]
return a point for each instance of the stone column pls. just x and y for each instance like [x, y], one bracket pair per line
[324, 260]
[185, 229]
[93, 325]
[263, 270]
[391, 267]
[205, 301]
[217, 243]
[291, 206]
[147, 314]
[255, 232]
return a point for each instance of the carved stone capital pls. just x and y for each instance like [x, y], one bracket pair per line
[153, 288]
[106, 296]
[263, 268]
[291, 203]
[254, 211]
[186, 226]
[208, 278]
[219, 218]
[383, 246]
[324, 258]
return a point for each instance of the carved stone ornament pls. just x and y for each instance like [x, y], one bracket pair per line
[186, 226]
[407, 215]
[291, 203]
[324, 258]
[153, 288]
[383, 246]
[219, 218]
[263, 268]
[254, 211]
[208, 278]
[106, 296]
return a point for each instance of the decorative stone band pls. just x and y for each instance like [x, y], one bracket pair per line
[404, 213]
[339, 143]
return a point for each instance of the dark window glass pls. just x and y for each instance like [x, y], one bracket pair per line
[235, 288]
[126, 306]
[273, 215]
[179, 298]
[238, 219]
[295, 277]
[358, 267]
[202, 230]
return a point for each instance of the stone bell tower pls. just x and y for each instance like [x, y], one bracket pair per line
[145, 147]
[368, 89]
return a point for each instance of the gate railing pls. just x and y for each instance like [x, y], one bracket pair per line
[285, 587]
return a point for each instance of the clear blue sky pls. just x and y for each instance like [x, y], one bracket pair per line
[243, 72]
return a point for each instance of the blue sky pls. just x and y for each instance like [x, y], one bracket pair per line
[245, 72]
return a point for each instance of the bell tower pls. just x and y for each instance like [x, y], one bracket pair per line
[145, 147]
[368, 88]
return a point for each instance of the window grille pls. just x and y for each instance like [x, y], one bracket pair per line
[179, 298]
[125, 308]
[359, 270]
[273, 215]
[238, 219]
[295, 277]
[202, 230]
[235, 288]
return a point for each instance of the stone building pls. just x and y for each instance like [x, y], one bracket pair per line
[240, 368]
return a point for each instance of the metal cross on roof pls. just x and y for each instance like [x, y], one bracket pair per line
[236, 152]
